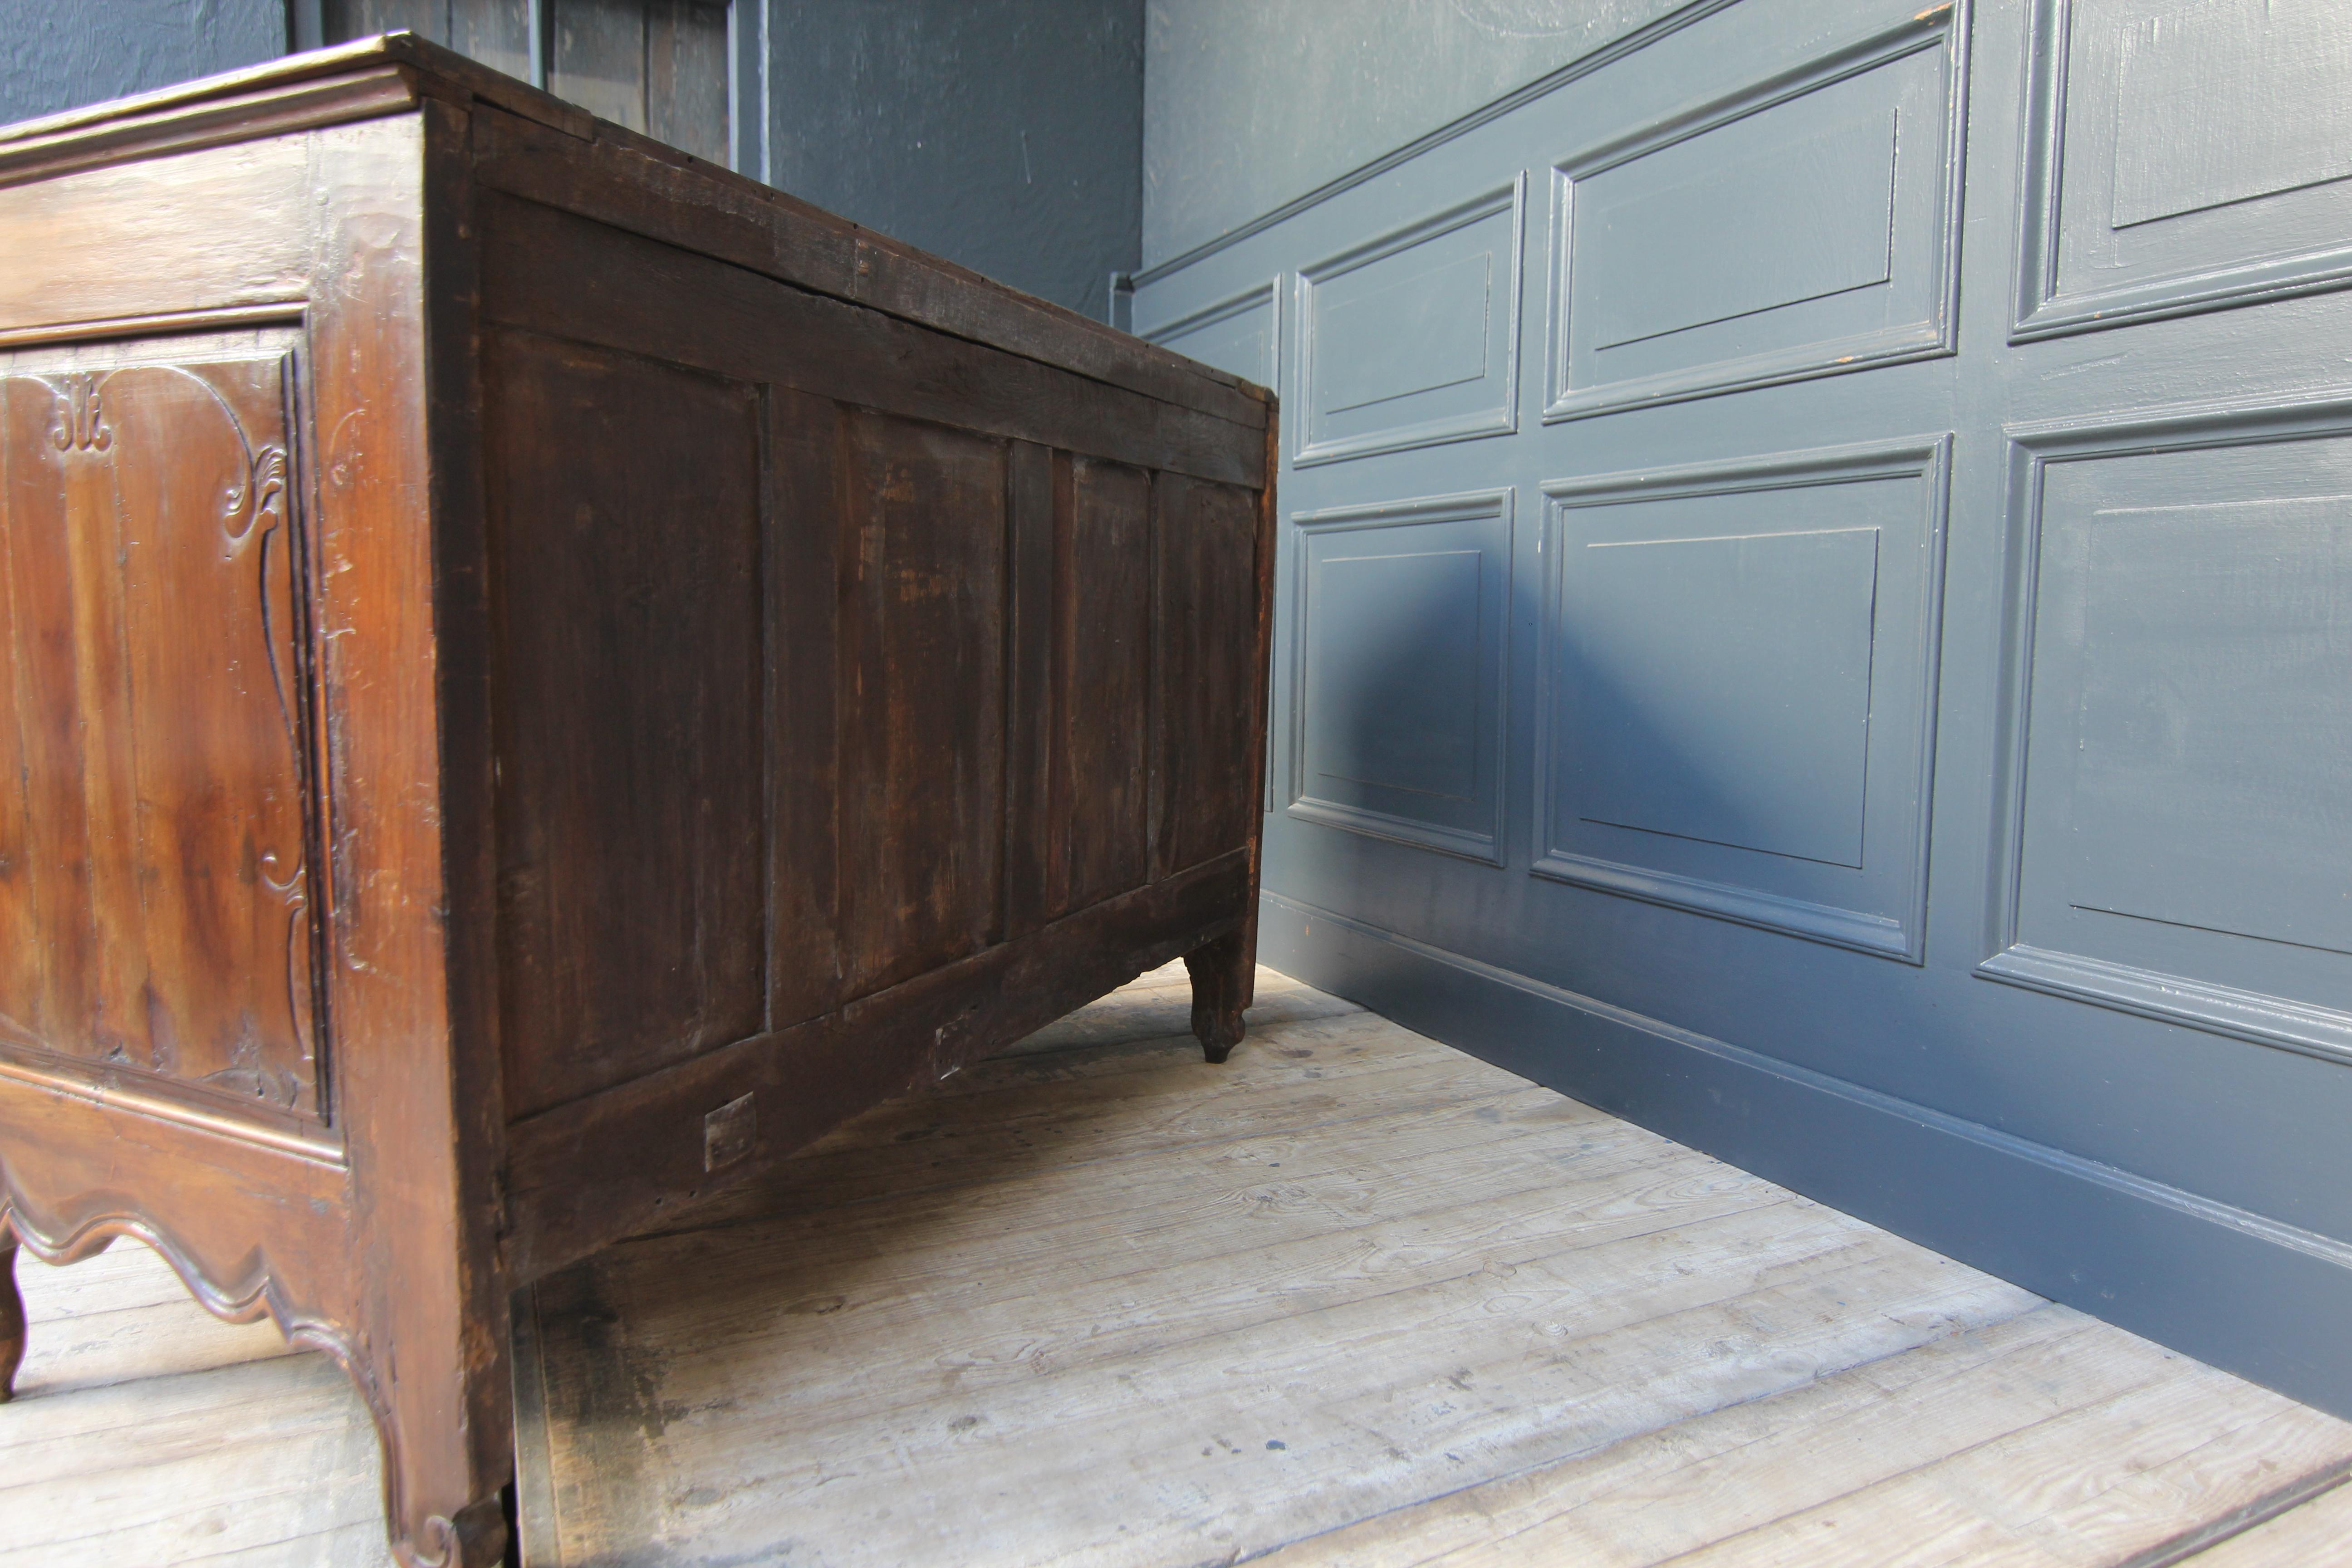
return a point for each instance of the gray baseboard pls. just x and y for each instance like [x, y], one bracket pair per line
[2265, 1300]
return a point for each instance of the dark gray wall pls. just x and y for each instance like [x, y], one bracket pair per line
[1004, 135]
[54, 56]
[1249, 105]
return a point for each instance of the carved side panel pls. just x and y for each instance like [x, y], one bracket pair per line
[156, 931]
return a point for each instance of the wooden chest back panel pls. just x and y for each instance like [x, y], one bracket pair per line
[155, 897]
[625, 505]
[1211, 696]
[922, 571]
[1100, 843]
[995, 680]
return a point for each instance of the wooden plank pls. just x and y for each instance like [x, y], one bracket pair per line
[1033, 484]
[551, 272]
[1685, 1486]
[1102, 666]
[1276, 1430]
[2096, 1485]
[802, 550]
[922, 746]
[2313, 1533]
[659, 193]
[631, 810]
[1207, 683]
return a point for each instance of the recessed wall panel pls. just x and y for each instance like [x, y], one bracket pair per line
[1801, 229]
[1411, 338]
[1727, 687]
[1739, 662]
[1398, 697]
[2166, 172]
[1236, 335]
[2183, 810]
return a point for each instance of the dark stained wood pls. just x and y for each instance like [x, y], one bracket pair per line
[1210, 681]
[552, 272]
[1031, 487]
[922, 737]
[626, 510]
[803, 664]
[1219, 972]
[12, 1318]
[808, 1079]
[519, 713]
[1098, 832]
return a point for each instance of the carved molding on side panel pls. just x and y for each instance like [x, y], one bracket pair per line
[1806, 226]
[2164, 173]
[151, 575]
[1738, 667]
[1398, 670]
[1411, 338]
[2177, 720]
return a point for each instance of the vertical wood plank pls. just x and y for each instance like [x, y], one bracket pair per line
[600, 58]
[630, 817]
[1031, 834]
[804, 567]
[1211, 670]
[1104, 670]
[495, 32]
[685, 76]
[923, 798]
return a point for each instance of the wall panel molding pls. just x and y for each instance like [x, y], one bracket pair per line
[2266, 489]
[1832, 270]
[2134, 208]
[1243, 327]
[1411, 338]
[1770, 875]
[1406, 553]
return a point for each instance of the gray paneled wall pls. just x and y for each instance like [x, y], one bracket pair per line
[1804, 626]
[1252, 103]
[1005, 135]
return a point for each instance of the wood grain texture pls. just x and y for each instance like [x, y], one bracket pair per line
[1377, 1304]
[922, 741]
[1053, 1244]
[2318, 1532]
[159, 887]
[625, 500]
[481, 681]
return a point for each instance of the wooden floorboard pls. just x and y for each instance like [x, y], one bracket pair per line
[1351, 1301]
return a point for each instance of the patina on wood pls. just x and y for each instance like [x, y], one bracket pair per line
[543, 677]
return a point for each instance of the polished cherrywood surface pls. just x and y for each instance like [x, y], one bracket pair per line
[541, 677]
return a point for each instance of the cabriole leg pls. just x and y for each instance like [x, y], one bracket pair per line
[1221, 974]
[12, 1316]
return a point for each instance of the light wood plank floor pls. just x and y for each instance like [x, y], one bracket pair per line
[1354, 1298]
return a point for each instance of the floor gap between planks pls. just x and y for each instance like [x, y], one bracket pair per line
[1353, 1299]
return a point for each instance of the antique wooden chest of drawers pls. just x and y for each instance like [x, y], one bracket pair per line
[540, 675]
